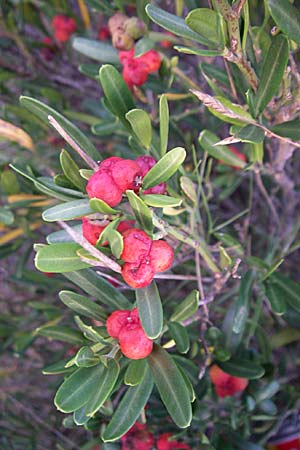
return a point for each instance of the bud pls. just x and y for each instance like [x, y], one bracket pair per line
[122, 41]
[116, 22]
[135, 27]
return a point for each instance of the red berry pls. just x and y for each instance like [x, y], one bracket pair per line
[103, 33]
[137, 438]
[161, 256]
[91, 230]
[125, 225]
[124, 173]
[133, 74]
[108, 163]
[138, 275]
[164, 443]
[116, 321]
[137, 245]
[134, 343]
[151, 59]
[225, 384]
[101, 185]
[146, 162]
[126, 55]
[63, 26]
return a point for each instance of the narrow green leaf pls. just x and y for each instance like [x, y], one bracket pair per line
[85, 357]
[71, 170]
[100, 51]
[160, 201]
[100, 206]
[116, 243]
[61, 333]
[106, 128]
[174, 24]
[129, 409]
[97, 287]
[117, 93]
[135, 372]
[163, 124]
[242, 305]
[90, 332]
[206, 23]
[68, 211]
[287, 17]
[79, 416]
[272, 72]
[250, 133]
[150, 310]
[59, 258]
[290, 129]
[171, 386]
[104, 388]
[141, 211]
[180, 336]
[207, 139]
[62, 236]
[51, 184]
[243, 368]
[141, 125]
[290, 290]
[197, 51]
[189, 188]
[42, 111]
[82, 305]
[165, 167]
[57, 368]
[78, 388]
[186, 308]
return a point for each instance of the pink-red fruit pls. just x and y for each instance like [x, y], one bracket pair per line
[146, 162]
[125, 326]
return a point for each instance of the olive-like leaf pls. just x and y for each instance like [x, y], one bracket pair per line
[287, 17]
[135, 372]
[100, 51]
[141, 125]
[207, 139]
[59, 258]
[165, 167]
[82, 305]
[187, 307]
[68, 211]
[163, 124]
[141, 211]
[150, 310]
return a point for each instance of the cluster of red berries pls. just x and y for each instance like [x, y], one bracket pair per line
[143, 258]
[136, 70]
[115, 175]
[63, 27]
[226, 385]
[125, 326]
[140, 438]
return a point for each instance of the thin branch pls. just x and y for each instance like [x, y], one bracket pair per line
[104, 260]
[90, 162]
[266, 196]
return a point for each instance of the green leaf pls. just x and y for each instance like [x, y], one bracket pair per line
[79, 416]
[42, 111]
[272, 73]
[104, 388]
[165, 167]
[290, 290]
[78, 388]
[106, 127]
[100, 206]
[243, 368]
[290, 129]
[163, 124]
[141, 211]
[63, 236]
[82, 305]
[143, 45]
[250, 133]
[276, 298]
[57, 368]
[135, 372]
[71, 170]
[171, 386]
[59, 258]
[189, 188]
[61, 333]
[54, 187]
[150, 310]
[116, 243]
[6, 216]
[85, 357]
[242, 305]
[116, 92]
[141, 125]
[186, 308]
[129, 409]
[174, 24]
[100, 51]
[180, 336]
[97, 287]
[160, 201]
[206, 23]
[197, 51]
[68, 211]
[207, 139]
[287, 17]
